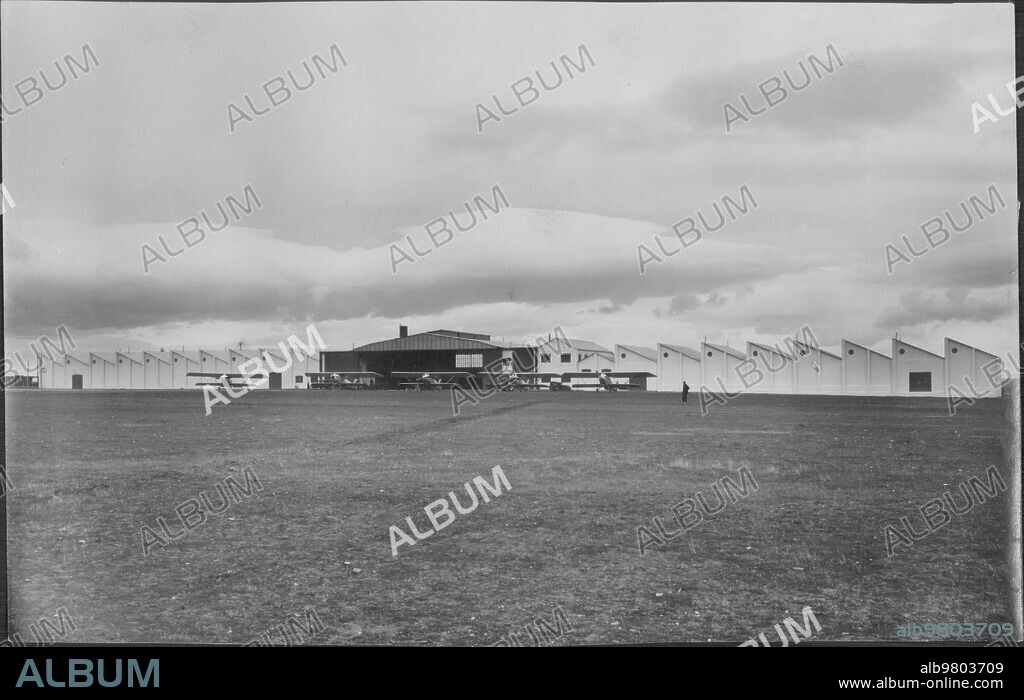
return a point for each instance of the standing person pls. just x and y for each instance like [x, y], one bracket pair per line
[686, 390]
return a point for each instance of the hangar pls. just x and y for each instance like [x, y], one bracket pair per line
[441, 350]
[720, 367]
[973, 372]
[634, 358]
[816, 371]
[776, 366]
[865, 371]
[915, 370]
[676, 364]
[168, 369]
[561, 354]
[800, 368]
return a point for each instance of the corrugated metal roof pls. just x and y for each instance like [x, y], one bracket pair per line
[435, 340]
[587, 345]
[460, 334]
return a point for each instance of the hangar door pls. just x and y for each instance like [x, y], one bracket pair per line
[920, 381]
[76, 381]
[275, 380]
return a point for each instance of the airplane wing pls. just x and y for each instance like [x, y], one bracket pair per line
[432, 374]
[315, 375]
[218, 375]
[613, 375]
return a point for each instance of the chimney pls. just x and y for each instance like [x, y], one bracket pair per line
[403, 331]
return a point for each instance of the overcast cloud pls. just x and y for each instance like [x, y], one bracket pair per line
[592, 170]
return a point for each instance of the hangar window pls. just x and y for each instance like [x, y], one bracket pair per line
[903, 351]
[623, 356]
[175, 359]
[664, 354]
[68, 362]
[850, 351]
[954, 350]
[803, 352]
[709, 353]
[755, 353]
[298, 379]
[545, 357]
[566, 358]
[120, 361]
[475, 360]
[147, 360]
[94, 361]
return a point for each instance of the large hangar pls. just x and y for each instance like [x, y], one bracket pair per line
[168, 369]
[634, 358]
[916, 370]
[677, 364]
[433, 351]
[816, 371]
[971, 371]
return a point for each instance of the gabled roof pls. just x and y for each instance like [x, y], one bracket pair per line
[727, 350]
[683, 350]
[647, 353]
[588, 345]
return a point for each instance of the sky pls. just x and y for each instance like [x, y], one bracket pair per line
[369, 154]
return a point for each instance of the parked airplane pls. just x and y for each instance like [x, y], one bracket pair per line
[519, 381]
[429, 380]
[605, 380]
[341, 380]
[224, 380]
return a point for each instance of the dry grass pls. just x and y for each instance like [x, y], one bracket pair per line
[338, 468]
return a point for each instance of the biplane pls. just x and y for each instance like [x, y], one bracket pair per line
[520, 381]
[605, 380]
[425, 381]
[342, 380]
[252, 381]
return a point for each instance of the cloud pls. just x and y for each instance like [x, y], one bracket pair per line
[917, 307]
[838, 97]
[93, 279]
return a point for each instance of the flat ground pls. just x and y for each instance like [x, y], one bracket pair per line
[338, 468]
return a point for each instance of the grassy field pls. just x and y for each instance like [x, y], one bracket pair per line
[338, 468]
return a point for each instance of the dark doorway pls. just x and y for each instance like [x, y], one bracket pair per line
[275, 380]
[920, 381]
[76, 381]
